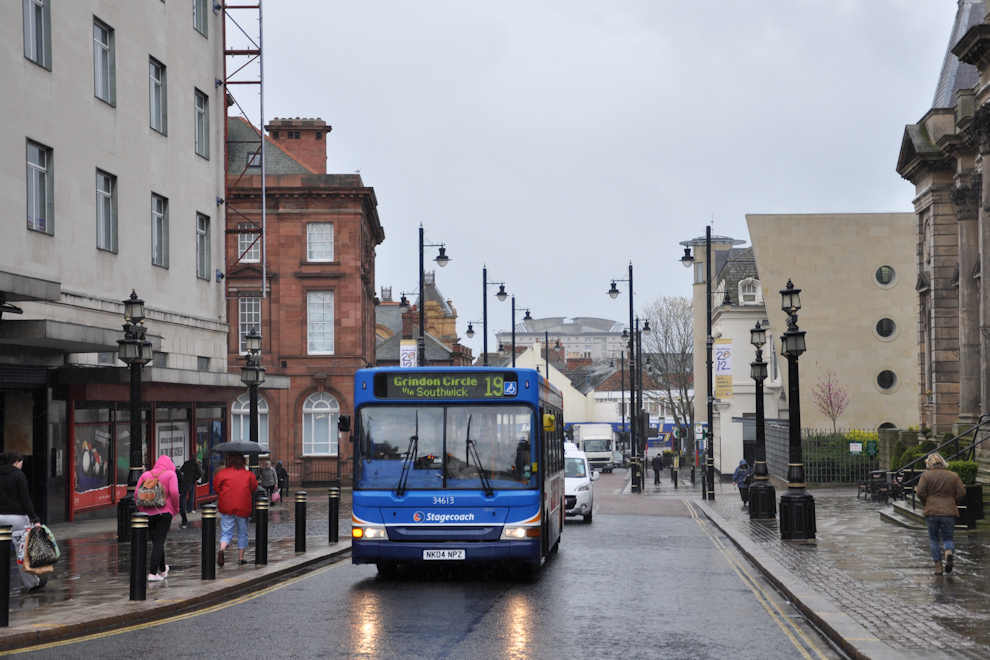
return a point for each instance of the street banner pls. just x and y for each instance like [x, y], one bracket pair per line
[723, 368]
[407, 353]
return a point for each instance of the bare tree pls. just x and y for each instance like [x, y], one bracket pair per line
[670, 350]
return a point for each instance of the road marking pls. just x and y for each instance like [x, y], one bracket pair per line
[778, 615]
[179, 617]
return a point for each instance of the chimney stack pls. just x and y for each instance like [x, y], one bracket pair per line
[306, 139]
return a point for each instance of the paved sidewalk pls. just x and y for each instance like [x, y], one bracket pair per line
[868, 584]
[90, 590]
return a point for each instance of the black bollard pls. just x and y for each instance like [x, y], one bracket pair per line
[334, 515]
[209, 571]
[300, 521]
[674, 479]
[139, 556]
[261, 531]
[5, 536]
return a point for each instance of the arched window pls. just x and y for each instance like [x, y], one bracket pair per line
[749, 292]
[240, 420]
[320, 414]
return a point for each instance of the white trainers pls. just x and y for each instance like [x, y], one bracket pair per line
[165, 574]
[154, 577]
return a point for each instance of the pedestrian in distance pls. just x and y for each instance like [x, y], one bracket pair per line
[191, 473]
[182, 500]
[235, 488]
[17, 511]
[160, 517]
[657, 464]
[939, 489]
[742, 477]
[283, 479]
[268, 478]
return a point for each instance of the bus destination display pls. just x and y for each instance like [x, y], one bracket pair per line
[446, 385]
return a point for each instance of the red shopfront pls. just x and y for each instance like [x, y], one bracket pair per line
[99, 438]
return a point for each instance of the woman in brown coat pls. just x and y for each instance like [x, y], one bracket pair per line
[939, 490]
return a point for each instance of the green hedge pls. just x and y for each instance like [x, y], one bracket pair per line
[965, 469]
[926, 447]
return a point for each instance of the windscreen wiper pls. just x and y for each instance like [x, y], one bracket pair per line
[411, 453]
[472, 454]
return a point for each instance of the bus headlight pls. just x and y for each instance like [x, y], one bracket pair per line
[368, 533]
[510, 533]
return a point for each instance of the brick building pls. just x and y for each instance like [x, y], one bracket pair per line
[317, 314]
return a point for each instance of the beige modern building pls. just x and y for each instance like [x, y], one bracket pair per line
[857, 277]
[111, 180]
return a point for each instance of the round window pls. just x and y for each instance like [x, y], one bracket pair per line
[885, 327]
[887, 379]
[885, 275]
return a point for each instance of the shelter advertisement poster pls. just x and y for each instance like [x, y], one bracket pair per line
[407, 353]
[722, 356]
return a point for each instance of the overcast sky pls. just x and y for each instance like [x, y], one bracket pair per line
[556, 141]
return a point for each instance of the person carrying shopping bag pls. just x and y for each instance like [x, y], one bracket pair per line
[17, 511]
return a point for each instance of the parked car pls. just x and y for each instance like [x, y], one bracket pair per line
[579, 494]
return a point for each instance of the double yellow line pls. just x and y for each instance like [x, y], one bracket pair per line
[179, 617]
[791, 629]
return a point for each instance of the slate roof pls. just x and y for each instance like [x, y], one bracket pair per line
[388, 350]
[244, 139]
[738, 264]
[958, 75]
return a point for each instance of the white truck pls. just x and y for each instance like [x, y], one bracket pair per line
[597, 441]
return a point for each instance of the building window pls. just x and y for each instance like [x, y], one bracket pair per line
[319, 241]
[748, 293]
[249, 245]
[886, 380]
[103, 63]
[106, 211]
[320, 414]
[159, 96]
[202, 124]
[200, 16]
[885, 275]
[202, 363]
[37, 32]
[240, 420]
[254, 160]
[40, 193]
[248, 317]
[699, 273]
[202, 246]
[319, 322]
[159, 231]
[885, 327]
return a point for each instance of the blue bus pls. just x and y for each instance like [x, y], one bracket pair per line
[456, 465]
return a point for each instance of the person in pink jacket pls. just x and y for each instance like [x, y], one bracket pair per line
[160, 518]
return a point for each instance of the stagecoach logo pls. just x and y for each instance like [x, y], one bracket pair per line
[418, 516]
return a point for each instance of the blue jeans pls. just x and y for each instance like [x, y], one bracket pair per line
[940, 527]
[187, 498]
[227, 523]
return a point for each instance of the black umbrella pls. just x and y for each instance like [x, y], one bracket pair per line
[240, 447]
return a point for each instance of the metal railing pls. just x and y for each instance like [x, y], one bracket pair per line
[967, 453]
[826, 455]
[318, 472]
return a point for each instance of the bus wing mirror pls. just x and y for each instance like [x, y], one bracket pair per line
[344, 424]
[549, 422]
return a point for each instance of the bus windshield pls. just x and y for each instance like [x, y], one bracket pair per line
[453, 447]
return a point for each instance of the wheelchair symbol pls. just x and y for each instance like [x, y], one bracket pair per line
[510, 389]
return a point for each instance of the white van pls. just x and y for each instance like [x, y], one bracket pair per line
[579, 494]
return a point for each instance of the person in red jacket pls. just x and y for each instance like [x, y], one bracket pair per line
[235, 487]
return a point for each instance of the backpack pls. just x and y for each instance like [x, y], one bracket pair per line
[151, 493]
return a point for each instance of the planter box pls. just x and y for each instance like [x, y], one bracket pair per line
[973, 504]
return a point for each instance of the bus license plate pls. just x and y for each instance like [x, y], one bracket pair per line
[443, 554]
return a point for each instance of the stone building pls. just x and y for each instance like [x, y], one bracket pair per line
[316, 312]
[397, 323]
[112, 159]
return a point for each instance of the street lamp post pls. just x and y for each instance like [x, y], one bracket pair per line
[253, 375]
[525, 318]
[762, 494]
[134, 351]
[797, 506]
[633, 408]
[708, 475]
[501, 295]
[442, 259]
